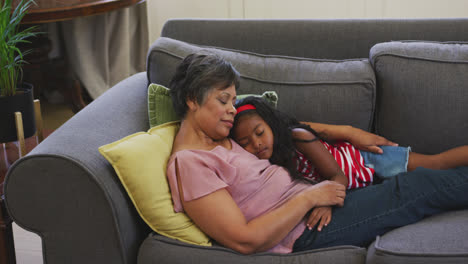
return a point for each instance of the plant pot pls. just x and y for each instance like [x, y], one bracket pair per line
[22, 101]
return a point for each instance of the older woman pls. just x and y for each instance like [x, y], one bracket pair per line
[251, 206]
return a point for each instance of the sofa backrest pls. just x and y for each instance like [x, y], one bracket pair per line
[325, 91]
[422, 93]
[294, 58]
[319, 39]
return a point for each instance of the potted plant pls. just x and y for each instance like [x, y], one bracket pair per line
[15, 96]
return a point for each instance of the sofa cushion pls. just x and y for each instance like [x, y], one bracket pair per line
[328, 91]
[167, 250]
[161, 110]
[422, 94]
[269, 96]
[140, 161]
[437, 239]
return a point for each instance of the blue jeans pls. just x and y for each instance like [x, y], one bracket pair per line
[398, 201]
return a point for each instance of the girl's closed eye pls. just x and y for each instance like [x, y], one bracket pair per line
[244, 143]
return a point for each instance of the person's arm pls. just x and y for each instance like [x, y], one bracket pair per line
[220, 218]
[361, 139]
[327, 167]
[315, 152]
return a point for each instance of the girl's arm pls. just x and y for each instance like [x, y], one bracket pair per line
[361, 139]
[326, 166]
[220, 218]
[320, 157]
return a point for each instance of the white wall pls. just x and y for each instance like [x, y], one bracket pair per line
[161, 10]
[355, 8]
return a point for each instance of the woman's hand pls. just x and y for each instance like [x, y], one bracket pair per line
[321, 216]
[326, 193]
[366, 141]
[361, 139]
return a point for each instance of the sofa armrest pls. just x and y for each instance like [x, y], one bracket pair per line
[68, 194]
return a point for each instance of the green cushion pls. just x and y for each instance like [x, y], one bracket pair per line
[160, 109]
[270, 96]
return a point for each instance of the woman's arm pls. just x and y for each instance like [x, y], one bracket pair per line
[361, 139]
[320, 157]
[220, 218]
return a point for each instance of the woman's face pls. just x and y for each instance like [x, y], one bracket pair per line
[254, 135]
[216, 114]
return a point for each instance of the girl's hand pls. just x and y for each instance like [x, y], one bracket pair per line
[366, 141]
[321, 216]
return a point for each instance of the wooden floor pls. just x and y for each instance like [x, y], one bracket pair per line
[28, 245]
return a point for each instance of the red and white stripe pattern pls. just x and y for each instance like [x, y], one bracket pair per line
[348, 158]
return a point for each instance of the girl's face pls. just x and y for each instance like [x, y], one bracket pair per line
[254, 135]
[215, 116]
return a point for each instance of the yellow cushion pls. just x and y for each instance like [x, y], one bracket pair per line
[140, 162]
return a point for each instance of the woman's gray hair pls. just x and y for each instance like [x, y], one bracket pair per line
[196, 75]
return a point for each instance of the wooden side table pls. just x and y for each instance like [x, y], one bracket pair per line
[52, 10]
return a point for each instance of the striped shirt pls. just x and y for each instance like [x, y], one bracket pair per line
[348, 158]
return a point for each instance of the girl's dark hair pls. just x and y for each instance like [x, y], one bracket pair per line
[196, 75]
[281, 124]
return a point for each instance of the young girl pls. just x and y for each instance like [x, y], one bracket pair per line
[270, 134]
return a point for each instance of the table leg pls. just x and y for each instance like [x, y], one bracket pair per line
[7, 246]
[76, 99]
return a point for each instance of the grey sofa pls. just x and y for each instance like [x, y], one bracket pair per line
[332, 71]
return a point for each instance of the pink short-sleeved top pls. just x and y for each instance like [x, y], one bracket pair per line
[256, 186]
